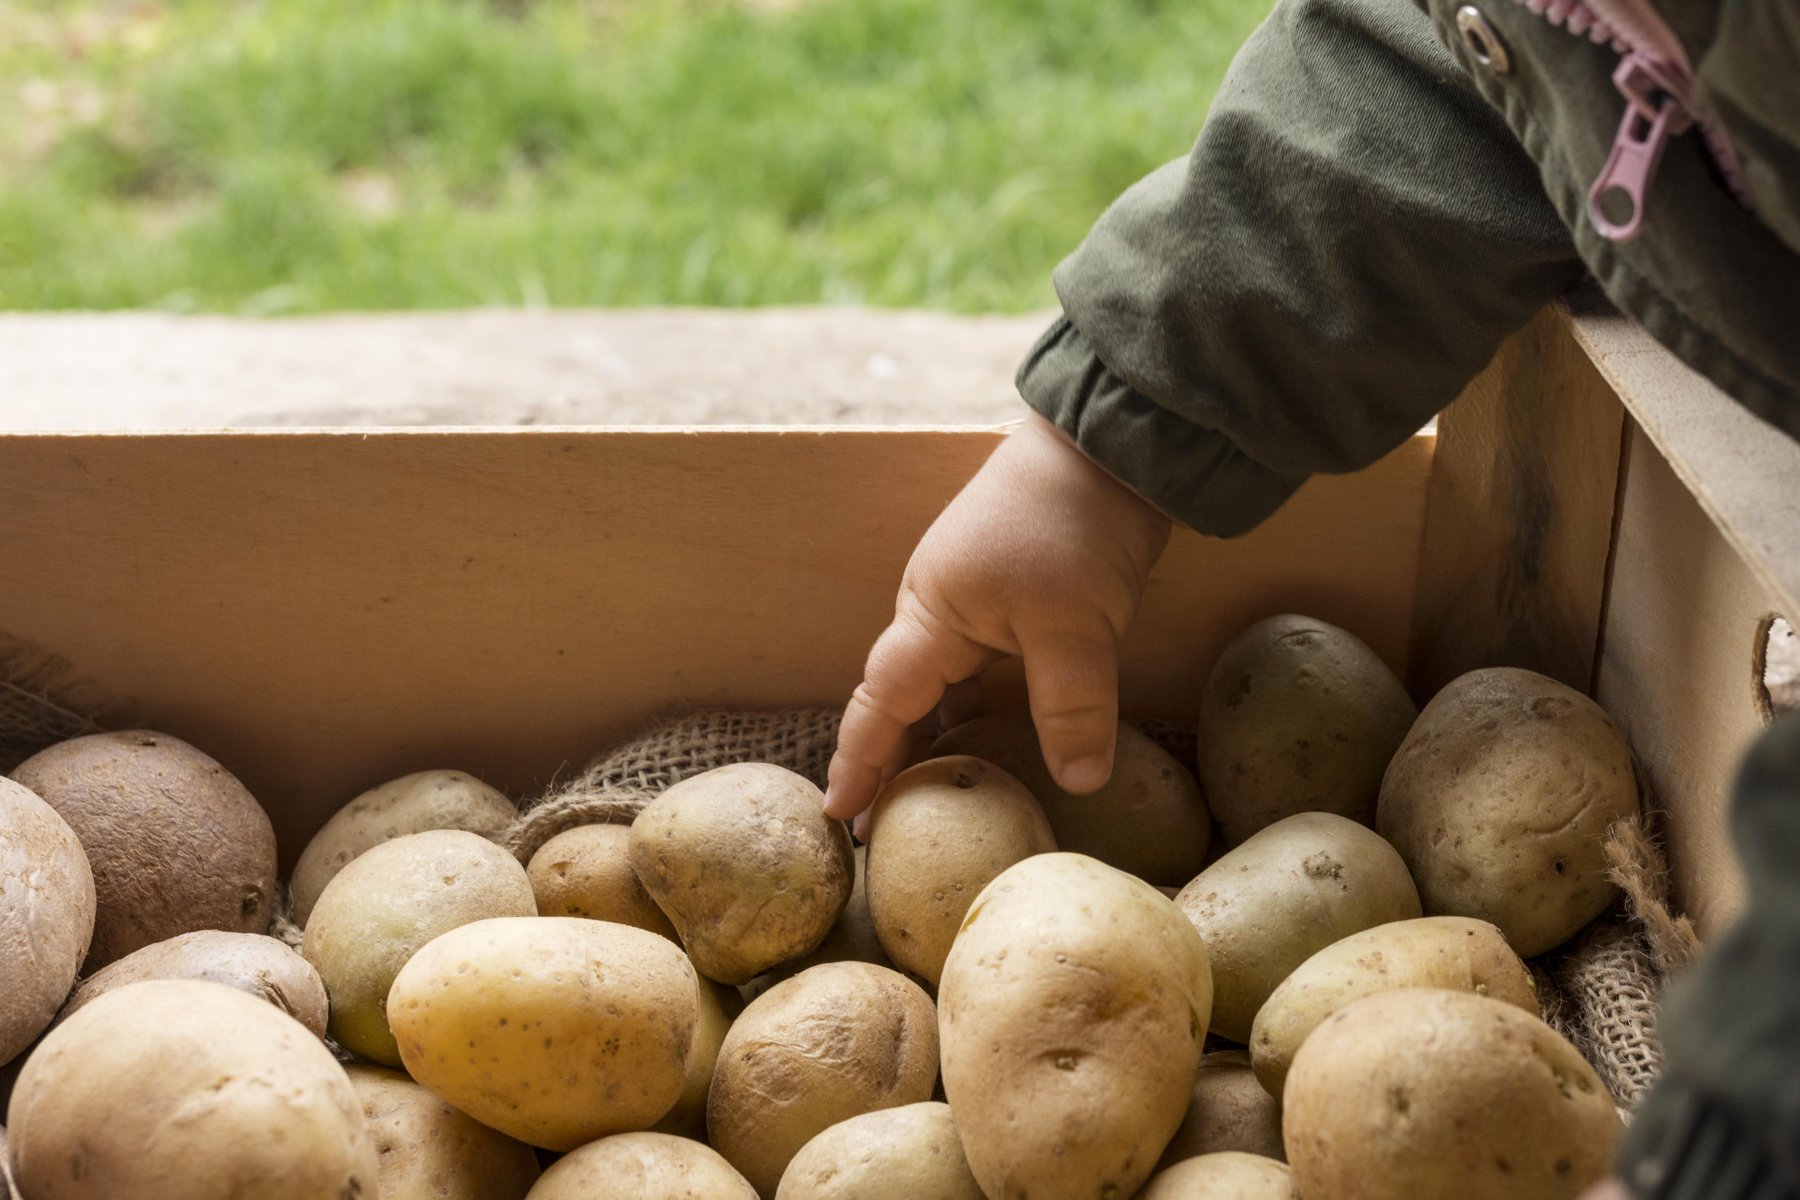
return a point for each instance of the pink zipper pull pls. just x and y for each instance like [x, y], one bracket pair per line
[1653, 111]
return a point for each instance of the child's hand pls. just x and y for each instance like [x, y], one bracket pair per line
[1042, 555]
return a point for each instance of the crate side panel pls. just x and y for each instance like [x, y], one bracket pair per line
[325, 611]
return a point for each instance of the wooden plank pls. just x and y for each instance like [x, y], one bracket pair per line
[1744, 472]
[1679, 670]
[322, 611]
[1519, 516]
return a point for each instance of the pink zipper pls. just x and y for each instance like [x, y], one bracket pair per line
[1657, 81]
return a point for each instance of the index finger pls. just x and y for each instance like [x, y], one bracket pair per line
[911, 664]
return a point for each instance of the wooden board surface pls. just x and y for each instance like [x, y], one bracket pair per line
[324, 611]
[1744, 473]
[1679, 670]
[1519, 516]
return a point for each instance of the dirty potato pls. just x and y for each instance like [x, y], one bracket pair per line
[829, 1044]
[553, 1030]
[746, 865]
[1297, 716]
[1499, 801]
[175, 841]
[1440, 1095]
[1229, 1110]
[1439, 952]
[427, 1150]
[1149, 820]
[254, 963]
[906, 1153]
[939, 833]
[1285, 894]
[46, 914]
[1072, 1012]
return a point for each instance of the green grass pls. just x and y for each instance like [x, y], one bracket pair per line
[268, 156]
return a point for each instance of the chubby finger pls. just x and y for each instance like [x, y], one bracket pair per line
[911, 664]
[1072, 680]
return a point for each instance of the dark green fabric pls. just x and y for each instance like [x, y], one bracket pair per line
[1349, 240]
[1368, 212]
[1724, 1121]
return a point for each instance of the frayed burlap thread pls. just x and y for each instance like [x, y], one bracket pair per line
[613, 788]
[43, 701]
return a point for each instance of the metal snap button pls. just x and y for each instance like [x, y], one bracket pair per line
[1483, 43]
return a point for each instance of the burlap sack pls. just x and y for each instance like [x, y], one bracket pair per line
[42, 702]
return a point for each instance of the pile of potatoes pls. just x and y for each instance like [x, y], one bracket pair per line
[1298, 974]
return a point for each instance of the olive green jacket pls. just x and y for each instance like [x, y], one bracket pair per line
[1380, 194]
[1370, 209]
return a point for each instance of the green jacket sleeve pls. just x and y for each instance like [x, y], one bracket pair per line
[1349, 240]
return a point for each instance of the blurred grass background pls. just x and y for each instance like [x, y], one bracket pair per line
[275, 156]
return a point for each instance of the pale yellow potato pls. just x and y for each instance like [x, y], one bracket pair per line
[184, 1089]
[553, 1030]
[1459, 953]
[746, 865]
[1281, 897]
[427, 1150]
[1499, 801]
[411, 804]
[939, 833]
[1150, 819]
[394, 898]
[174, 840]
[1297, 716]
[907, 1153]
[1072, 1012]
[1229, 1110]
[852, 939]
[255, 963]
[1228, 1175]
[1439, 1095]
[586, 872]
[719, 1007]
[833, 1042]
[642, 1166]
[46, 914]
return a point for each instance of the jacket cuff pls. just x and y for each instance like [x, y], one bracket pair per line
[1198, 476]
[1682, 1146]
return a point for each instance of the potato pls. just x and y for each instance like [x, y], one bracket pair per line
[184, 1089]
[906, 1153]
[175, 842]
[586, 872]
[1499, 801]
[939, 833]
[1297, 716]
[250, 962]
[1072, 1012]
[1228, 1175]
[1437, 952]
[1285, 894]
[1229, 1110]
[428, 1151]
[719, 1007]
[1149, 820]
[747, 866]
[6, 1184]
[852, 939]
[642, 1166]
[46, 914]
[393, 899]
[411, 804]
[833, 1042]
[553, 1030]
[1439, 1095]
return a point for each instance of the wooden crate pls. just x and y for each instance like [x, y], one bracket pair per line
[325, 610]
